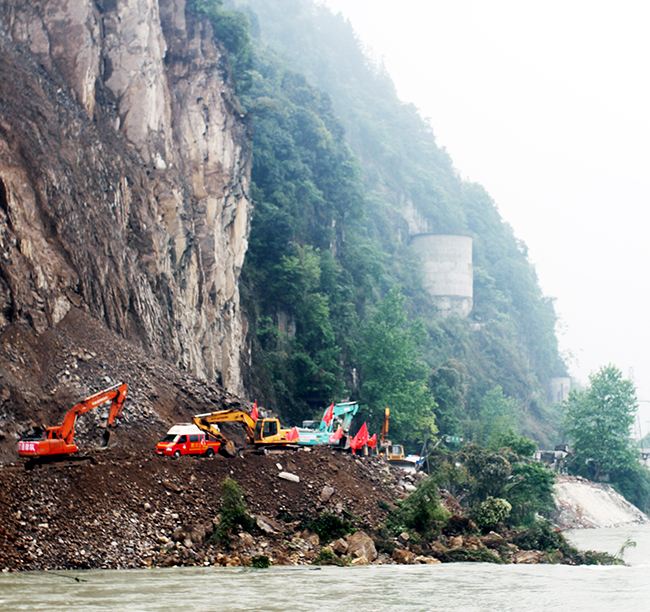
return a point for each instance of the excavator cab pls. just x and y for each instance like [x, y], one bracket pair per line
[265, 430]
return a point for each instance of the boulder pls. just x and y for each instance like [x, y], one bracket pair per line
[264, 525]
[247, 539]
[326, 494]
[361, 548]
[340, 546]
[527, 556]
[403, 556]
[426, 560]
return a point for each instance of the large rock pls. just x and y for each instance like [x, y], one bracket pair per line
[361, 548]
[403, 556]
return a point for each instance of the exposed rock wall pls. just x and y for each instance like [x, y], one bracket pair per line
[124, 177]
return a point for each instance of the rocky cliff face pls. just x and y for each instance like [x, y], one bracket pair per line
[124, 176]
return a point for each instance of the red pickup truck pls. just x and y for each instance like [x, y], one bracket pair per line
[187, 439]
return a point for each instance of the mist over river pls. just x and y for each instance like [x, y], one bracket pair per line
[454, 587]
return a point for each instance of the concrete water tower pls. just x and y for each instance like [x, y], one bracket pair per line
[448, 272]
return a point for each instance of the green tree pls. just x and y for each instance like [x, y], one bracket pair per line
[392, 373]
[598, 421]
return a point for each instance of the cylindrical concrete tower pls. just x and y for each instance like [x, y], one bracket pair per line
[448, 272]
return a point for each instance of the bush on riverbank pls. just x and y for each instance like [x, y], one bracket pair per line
[233, 512]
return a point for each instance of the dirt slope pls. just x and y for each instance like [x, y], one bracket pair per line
[43, 376]
[128, 510]
[131, 507]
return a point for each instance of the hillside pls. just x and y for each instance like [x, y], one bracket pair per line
[237, 207]
[343, 167]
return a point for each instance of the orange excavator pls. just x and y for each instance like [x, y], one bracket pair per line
[57, 443]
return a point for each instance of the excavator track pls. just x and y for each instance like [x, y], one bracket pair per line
[58, 461]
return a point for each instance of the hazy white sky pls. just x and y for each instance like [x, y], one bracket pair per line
[546, 104]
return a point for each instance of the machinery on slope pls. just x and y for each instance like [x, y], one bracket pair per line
[57, 443]
[394, 453]
[260, 432]
[325, 430]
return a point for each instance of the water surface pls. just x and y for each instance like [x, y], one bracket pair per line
[466, 587]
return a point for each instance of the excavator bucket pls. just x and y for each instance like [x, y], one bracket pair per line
[106, 436]
[227, 449]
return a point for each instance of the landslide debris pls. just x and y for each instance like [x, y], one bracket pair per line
[136, 509]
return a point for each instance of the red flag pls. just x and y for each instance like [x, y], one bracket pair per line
[373, 441]
[337, 436]
[329, 415]
[293, 435]
[361, 439]
[254, 414]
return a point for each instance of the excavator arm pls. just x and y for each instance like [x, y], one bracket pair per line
[260, 432]
[205, 421]
[208, 422]
[384, 427]
[59, 441]
[116, 394]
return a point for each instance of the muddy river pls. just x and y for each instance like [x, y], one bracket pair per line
[446, 588]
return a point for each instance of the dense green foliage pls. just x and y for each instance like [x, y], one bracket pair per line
[333, 176]
[421, 512]
[599, 421]
[506, 471]
[233, 511]
[392, 373]
[490, 513]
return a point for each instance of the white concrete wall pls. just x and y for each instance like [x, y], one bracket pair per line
[448, 271]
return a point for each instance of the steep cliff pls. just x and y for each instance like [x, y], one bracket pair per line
[124, 177]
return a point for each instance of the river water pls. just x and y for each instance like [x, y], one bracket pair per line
[456, 587]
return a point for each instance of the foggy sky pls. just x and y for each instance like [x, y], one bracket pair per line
[546, 105]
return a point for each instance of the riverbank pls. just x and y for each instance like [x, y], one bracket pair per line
[130, 511]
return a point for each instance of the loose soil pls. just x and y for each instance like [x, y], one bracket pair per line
[123, 510]
[129, 509]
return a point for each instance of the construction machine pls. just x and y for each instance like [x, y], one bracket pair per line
[323, 431]
[394, 453]
[57, 443]
[260, 432]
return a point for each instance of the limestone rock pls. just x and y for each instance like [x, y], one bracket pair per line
[125, 181]
[340, 546]
[361, 548]
[403, 556]
[527, 556]
[426, 560]
[247, 539]
[326, 494]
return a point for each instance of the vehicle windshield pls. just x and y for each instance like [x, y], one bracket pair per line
[169, 438]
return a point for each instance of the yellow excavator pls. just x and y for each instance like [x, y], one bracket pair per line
[260, 432]
[391, 452]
